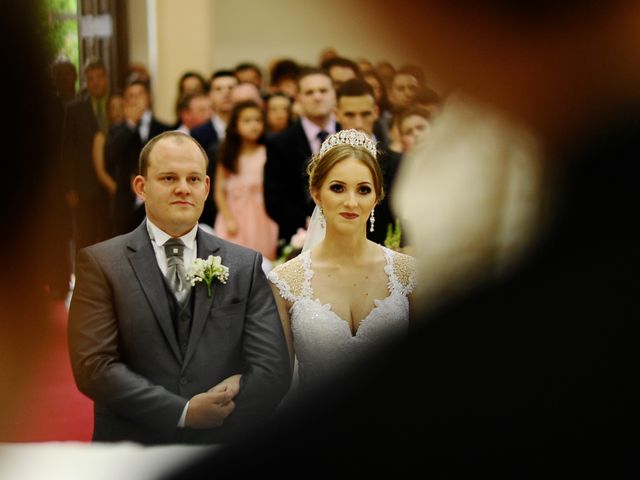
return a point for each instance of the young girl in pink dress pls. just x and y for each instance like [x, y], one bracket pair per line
[238, 185]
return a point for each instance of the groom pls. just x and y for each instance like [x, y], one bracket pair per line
[163, 361]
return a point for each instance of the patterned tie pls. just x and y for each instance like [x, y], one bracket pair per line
[176, 274]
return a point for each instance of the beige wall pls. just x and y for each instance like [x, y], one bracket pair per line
[205, 35]
[261, 30]
[137, 26]
[184, 41]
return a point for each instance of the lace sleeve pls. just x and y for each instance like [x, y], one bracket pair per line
[404, 269]
[289, 278]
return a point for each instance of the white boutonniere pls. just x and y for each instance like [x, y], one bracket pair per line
[207, 270]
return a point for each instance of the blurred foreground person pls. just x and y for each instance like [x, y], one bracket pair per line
[26, 331]
[530, 368]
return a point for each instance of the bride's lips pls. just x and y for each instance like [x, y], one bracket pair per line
[349, 216]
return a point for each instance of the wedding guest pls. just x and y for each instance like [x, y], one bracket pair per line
[340, 70]
[357, 109]
[189, 82]
[239, 185]
[239, 93]
[365, 65]
[86, 116]
[194, 109]
[212, 132]
[164, 361]
[138, 72]
[246, 91]
[122, 148]
[414, 124]
[356, 104]
[250, 73]
[278, 113]
[403, 88]
[327, 54]
[342, 286]
[65, 76]
[416, 71]
[115, 116]
[427, 98]
[379, 90]
[384, 107]
[386, 71]
[286, 198]
[284, 77]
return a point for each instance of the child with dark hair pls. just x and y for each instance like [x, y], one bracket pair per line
[239, 183]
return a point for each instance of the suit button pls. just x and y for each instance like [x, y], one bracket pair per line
[184, 381]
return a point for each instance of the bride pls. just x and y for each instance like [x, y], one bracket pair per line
[344, 296]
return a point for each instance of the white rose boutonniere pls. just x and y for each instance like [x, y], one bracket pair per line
[207, 270]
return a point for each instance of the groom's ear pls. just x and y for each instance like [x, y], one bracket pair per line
[139, 186]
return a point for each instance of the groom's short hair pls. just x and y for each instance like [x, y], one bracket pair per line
[178, 136]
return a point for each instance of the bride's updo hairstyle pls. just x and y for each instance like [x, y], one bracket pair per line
[340, 146]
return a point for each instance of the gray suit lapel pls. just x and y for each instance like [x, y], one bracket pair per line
[207, 245]
[144, 263]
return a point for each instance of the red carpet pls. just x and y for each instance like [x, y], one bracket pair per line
[52, 408]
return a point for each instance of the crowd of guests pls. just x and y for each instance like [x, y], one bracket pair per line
[259, 139]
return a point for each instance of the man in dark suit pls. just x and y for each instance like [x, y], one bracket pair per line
[356, 108]
[213, 131]
[210, 133]
[84, 118]
[173, 363]
[286, 190]
[124, 143]
[533, 371]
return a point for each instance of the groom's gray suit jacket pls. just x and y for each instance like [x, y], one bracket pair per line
[125, 353]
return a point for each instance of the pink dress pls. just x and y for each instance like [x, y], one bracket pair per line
[244, 192]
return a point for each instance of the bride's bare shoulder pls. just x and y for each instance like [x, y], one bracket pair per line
[289, 275]
[404, 267]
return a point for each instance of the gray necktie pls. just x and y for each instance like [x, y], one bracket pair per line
[176, 274]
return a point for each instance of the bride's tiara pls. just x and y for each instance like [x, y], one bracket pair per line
[351, 137]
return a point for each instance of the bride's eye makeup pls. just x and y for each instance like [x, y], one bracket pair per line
[336, 187]
[364, 189]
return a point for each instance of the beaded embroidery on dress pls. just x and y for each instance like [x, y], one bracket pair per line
[323, 341]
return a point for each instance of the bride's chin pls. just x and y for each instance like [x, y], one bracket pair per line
[347, 228]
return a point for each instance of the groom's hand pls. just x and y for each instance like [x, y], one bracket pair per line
[209, 409]
[230, 384]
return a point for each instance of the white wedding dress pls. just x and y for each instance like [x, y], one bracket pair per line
[323, 341]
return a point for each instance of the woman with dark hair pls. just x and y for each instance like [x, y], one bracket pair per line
[189, 82]
[278, 112]
[284, 75]
[239, 183]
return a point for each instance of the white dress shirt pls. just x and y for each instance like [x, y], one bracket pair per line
[190, 253]
[311, 130]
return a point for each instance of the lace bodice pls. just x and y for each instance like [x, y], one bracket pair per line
[323, 341]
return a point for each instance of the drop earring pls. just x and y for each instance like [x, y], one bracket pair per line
[372, 219]
[321, 217]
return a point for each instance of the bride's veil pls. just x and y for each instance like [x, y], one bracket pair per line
[316, 230]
